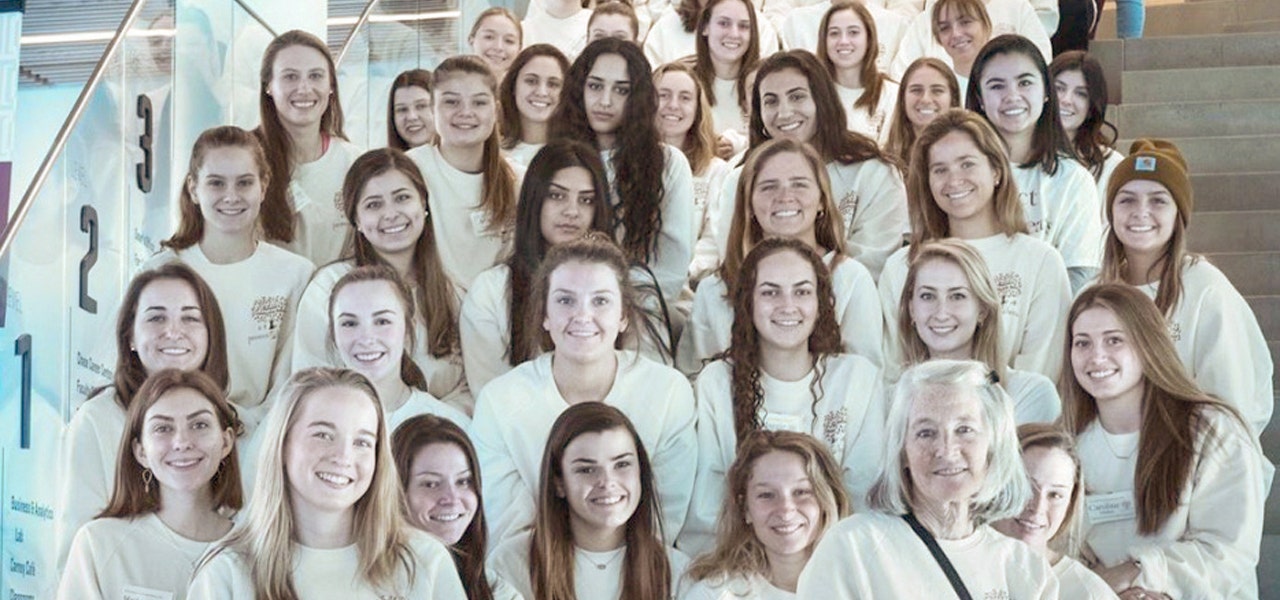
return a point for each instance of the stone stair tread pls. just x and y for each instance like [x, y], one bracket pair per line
[1206, 118]
[1235, 231]
[1201, 51]
[1227, 154]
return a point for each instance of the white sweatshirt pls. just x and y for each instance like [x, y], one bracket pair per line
[727, 117]
[1007, 16]
[336, 574]
[258, 297]
[464, 239]
[707, 203]
[1034, 300]
[1077, 582]
[670, 264]
[710, 327]
[874, 555]
[1220, 342]
[737, 588]
[1109, 164]
[316, 193]
[444, 374]
[1035, 397]
[112, 558]
[89, 449]
[873, 123]
[513, 419]
[1209, 546]
[799, 29]
[422, 403]
[510, 560]
[871, 198]
[1063, 209]
[568, 34]
[849, 420]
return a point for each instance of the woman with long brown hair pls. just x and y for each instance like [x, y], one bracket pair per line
[176, 474]
[1149, 438]
[598, 530]
[849, 47]
[783, 371]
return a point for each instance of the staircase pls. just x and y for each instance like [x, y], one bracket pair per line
[1207, 76]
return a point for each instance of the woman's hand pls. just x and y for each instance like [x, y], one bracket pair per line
[1121, 576]
[724, 147]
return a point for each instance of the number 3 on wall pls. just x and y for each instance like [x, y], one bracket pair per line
[144, 142]
[89, 225]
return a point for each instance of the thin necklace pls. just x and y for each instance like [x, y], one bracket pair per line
[600, 566]
[1106, 438]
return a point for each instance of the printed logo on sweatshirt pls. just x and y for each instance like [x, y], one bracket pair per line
[834, 424]
[848, 207]
[1009, 286]
[1175, 331]
[268, 314]
[995, 595]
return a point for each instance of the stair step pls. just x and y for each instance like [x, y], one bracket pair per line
[1253, 273]
[1267, 309]
[1194, 18]
[1198, 119]
[1234, 191]
[1263, 26]
[1201, 51]
[1202, 85]
[1235, 231]
[1236, 154]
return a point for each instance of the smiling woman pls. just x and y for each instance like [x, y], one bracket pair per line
[950, 465]
[326, 515]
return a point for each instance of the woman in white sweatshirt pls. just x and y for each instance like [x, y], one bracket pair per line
[583, 301]
[1175, 480]
[950, 309]
[849, 47]
[326, 515]
[527, 98]
[177, 482]
[727, 51]
[1215, 332]
[783, 371]
[1051, 521]
[781, 494]
[370, 314]
[597, 533]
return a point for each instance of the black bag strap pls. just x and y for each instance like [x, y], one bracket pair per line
[956, 583]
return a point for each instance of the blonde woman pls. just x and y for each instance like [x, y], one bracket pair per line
[326, 516]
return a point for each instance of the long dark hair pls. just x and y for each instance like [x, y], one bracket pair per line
[1091, 140]
[1048, 141]
[832, 138]
[437, 304]
[419, 432]
[646, 572]
[277, 215]
[744, 346]
[639, 156]
[529, 246]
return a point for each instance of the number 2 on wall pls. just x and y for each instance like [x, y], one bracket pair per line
[89, 225]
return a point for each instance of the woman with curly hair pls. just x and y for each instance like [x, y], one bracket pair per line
[782, 492]
[783, 371]
[609, 101]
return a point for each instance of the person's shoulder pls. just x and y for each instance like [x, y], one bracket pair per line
[495, 278]
[636, 366]
[866, 526]
[284, 260]
[100, 406]
[1025, 245]
[525, 379]
[1076, 581]
[426, 547]
[1199, 272]
[852, 366]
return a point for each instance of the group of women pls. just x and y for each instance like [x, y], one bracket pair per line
[667, 316]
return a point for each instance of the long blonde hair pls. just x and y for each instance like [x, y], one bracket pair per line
[264, 541]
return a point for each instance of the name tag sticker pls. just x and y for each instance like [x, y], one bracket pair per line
[777, 422]
[133, 592]
[1108, 508]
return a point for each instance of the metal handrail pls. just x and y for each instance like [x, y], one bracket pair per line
[364, 17]
[60, 141]
[257, 17]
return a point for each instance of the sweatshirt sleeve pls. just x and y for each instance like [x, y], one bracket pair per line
[83, 486]
[865, 445]
[915, 43]
[675, 240]
[1039, 21]
[79, 580]
[1044, 330]
[677, 443]
[890, 287]
[714, 454]
[698, 341]
[220, 578]
[503, 486]
[834, 570]
[309, 346]
[1218, 552]
[1231, 359]
[881, 215]
[1079, 230]
[861, 330]
[483, 332]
